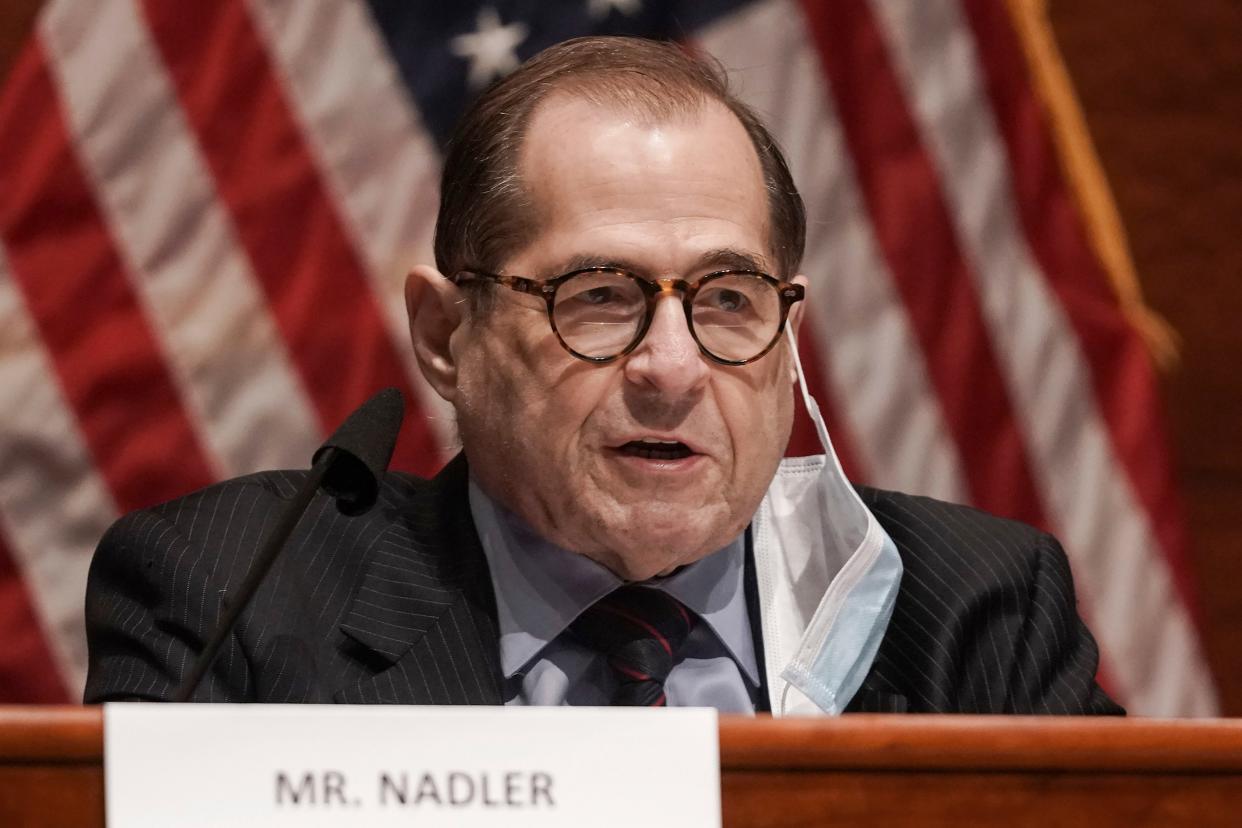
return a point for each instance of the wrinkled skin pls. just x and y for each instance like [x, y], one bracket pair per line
[542, 430]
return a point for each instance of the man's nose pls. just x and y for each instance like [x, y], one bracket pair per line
[668, 358]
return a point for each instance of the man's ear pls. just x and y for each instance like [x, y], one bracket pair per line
[435, 307]
[795, 319]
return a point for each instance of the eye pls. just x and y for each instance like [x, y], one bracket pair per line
[599, 295]
[731, 301]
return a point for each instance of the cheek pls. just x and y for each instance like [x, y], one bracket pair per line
[491, 377]
[758, 412]
[520, 388]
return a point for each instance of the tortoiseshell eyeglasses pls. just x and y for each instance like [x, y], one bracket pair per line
[601, 313]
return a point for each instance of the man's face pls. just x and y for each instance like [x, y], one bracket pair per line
[559, 440]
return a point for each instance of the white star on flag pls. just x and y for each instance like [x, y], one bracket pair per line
[599, 9]
[491, 49]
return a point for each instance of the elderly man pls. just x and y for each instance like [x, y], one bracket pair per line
[611, 317]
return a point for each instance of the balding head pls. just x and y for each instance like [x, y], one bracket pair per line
[486, 210]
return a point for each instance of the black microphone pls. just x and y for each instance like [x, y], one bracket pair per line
[358, 453]
[348, 467]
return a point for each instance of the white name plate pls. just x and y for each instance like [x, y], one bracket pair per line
[194, 765]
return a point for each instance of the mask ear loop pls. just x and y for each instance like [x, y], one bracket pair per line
[812, 407]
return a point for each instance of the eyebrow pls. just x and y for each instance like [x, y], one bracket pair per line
[728, 258]
[721, 258]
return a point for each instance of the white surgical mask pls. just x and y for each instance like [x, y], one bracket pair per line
[828, 578]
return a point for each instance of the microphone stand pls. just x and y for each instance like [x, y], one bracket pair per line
[348, 467]
[263, 562]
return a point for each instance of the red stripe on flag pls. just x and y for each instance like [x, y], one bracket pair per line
[75, 286]
[285, 218]
[28, 673]
[903, 194]
[1121, 372]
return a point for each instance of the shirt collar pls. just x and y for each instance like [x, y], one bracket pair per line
[541, 588]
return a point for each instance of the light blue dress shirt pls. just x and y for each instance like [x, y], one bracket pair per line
[540, 589]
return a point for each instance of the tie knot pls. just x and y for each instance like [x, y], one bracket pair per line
[640, 631]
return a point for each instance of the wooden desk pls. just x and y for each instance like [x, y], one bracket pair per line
[969, 770]
[51, 767]
[880, 770]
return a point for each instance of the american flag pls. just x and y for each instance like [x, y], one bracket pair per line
[207, 210]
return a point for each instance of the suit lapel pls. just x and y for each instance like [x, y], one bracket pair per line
[424, 618]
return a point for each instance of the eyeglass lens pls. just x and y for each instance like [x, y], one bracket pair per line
[599, 313]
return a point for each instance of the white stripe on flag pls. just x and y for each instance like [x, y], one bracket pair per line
[880, 383]
[53, 505]
[375, 158]
[160, 203]
[1145, 630]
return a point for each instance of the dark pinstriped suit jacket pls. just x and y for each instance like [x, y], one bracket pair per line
[397, 606]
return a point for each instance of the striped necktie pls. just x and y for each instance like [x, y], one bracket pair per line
[640, 631]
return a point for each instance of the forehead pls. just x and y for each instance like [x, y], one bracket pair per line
[603, 180]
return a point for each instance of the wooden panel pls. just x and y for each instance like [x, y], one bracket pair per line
[16, 19]
[950, 771]
[51, 767]
[983, 743]
[1161, 86]
[884, 770]
[51, 795]
[65, 734]
[936, 798]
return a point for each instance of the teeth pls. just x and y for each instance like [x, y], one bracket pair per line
[652, 449]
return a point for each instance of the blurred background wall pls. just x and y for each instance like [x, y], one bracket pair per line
[1161, 87]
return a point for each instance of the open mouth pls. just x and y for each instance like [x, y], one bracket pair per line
[656, 450]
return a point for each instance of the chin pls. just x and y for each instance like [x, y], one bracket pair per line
[647, 554]
[635, 571]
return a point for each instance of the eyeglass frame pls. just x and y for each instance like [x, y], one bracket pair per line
[789, 294]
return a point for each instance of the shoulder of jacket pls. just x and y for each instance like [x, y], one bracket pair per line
[273, 484]
[251, 499]
[952, 537]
